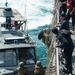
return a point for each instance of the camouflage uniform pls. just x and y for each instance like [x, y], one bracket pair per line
[38, 70]
[21, 70]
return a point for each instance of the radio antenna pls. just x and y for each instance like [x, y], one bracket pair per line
[6, 3]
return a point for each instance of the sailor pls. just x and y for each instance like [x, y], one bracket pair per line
[38, 70]
[21, 70]
[63, 7]
[67, 45]
[8, 22]
[64, 24]
[71, 11]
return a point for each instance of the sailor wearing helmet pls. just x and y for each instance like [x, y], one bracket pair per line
[38, 70]
[21, 70]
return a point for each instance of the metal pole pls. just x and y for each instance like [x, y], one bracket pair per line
[57, 49]
[25, 15]
[57, 15]
[57, 60]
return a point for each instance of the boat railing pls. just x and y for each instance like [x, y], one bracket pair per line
[53, 59]
[54, 54]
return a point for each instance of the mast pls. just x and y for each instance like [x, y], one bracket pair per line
[6, 4]
[25, 16]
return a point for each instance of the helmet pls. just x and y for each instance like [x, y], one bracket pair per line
[21, 64]
[55, 30]
[40, 35]
[63, 14]
[38, 63]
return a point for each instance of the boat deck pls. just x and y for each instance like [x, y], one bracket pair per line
[13, 35]
[17, 37]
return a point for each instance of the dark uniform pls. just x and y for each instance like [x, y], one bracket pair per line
[64, 24]
[64, 36]
[67, 44]
[63, 7]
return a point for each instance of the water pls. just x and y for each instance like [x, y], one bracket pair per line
[40, 49]
[38, 15]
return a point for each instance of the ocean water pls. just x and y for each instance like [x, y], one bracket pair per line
[39, 16]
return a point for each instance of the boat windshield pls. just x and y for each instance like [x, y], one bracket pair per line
[8, 58]
[27, 55]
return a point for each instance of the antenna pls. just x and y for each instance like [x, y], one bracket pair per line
[6, 4]
[25, 16]
[27, 34]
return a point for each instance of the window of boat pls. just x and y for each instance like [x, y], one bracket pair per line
[8, 58]
[27, 55]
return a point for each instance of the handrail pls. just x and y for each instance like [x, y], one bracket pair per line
[57, 60]
[57, 49]
[53, 59]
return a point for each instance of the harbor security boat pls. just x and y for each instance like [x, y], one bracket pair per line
[15, 43]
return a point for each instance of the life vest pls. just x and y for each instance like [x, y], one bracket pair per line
[69, 4]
